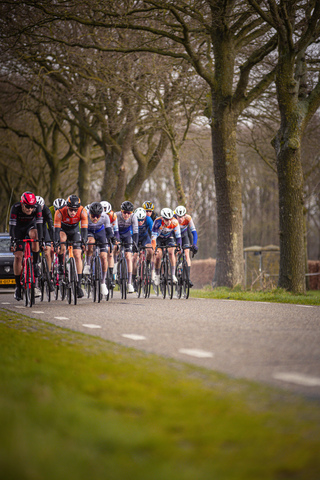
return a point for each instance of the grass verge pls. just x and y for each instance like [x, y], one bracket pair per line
[277, 295]
[75, 407]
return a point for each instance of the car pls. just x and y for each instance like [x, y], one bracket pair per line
[6, 262]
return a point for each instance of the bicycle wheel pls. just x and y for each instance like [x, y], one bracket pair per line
[144, 279]
[169, 279]
[123, 278]
[29, 300]
[73, 280]
[179, 277]
[163, 279]
[139, 278]
[97, 279]
[44, 280]
[185, 280]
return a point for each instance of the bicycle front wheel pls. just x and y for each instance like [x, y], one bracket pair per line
[185, 280]
[97, 279]
[73, 281]
[139, 278]
[123, 278]
[179, 278]
[29, 300]
[169, 280]
[163, 288]
[45, 280]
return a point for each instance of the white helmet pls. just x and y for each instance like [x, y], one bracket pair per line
[87, 207]
[140, 213]
[59, 203]
[106, 206]
[166, 213]
[180, 211]
[40, 200]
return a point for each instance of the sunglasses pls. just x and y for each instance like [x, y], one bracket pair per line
[95, 215]
[73, 209]
[149, 211]
[126, 213]
[28, 208]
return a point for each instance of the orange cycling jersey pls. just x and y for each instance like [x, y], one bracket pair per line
[62, 219]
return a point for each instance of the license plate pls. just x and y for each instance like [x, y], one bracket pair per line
[6, 281]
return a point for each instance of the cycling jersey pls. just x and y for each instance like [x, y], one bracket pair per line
[20, 223]
[186, 223]
[102, 224]
[70, 225]
[160, 229]
[145, 228]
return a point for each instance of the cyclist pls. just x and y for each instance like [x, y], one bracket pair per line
[66, 226]
[145, 225]
[128, 231]
[149, 208]
[107, 208]
[165, 232]
[47, 229]
[25, 222]
[99, 230]
[186, 222]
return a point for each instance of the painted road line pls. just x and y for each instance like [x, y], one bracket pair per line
[91, 325]
[133, 336]
[61, 318]
[37, 311]
[19, 306]
[298, 378]
[193, 352]
[5, 303]
[305, 306]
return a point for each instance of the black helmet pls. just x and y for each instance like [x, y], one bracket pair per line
[73, 201]
[96, 208]
[127, 206]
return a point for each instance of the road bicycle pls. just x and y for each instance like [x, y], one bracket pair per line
[182, 273]
[27, 279]
[69, 280]
[59, 286]
[122, 271]
[92, 281]
[166, 282]
[44, 281]
[143, 278]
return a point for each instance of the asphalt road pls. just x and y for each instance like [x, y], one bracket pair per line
[276, 344]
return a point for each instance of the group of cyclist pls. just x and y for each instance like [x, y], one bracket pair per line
[67, 220]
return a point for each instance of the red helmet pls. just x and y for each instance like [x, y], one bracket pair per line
[29, 198]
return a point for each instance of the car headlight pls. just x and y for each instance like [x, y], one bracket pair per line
[7, 269]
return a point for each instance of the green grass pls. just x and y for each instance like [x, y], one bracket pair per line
[77, 407]
[277, 295]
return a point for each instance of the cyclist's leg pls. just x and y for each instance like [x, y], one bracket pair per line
[62, 251]
[157, 261]
[33, 234]
[89, 252]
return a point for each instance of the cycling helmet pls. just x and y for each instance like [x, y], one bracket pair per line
[59, 203]
[127, 206]
[140, 213]
[29, 199]
[147, 205]
[106, 206]
[96, 208]
[40, 200]
[87, 207]
[73, 201]
[166, 213]
[180, 211]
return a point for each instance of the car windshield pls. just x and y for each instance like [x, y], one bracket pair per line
[5, 245]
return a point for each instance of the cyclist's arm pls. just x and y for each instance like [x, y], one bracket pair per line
[39, 222]
[57, 226]
[177, 233]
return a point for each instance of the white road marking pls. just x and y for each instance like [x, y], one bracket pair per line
[90, 325]
[5, 303]
[61, 318]
[37, 311]
[305, 306]
[193, 352]
[133, 336]
[19, 306]
[298, 378]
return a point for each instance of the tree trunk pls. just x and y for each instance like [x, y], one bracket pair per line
[229, 268]
[290, 178]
